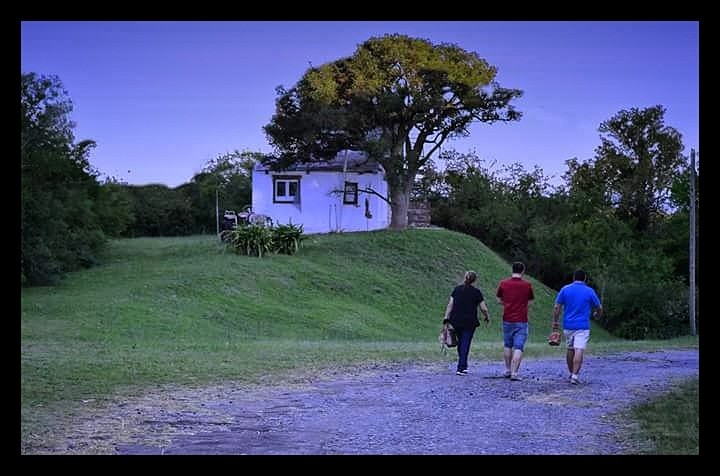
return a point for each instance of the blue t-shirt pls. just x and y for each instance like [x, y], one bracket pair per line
[578, 300]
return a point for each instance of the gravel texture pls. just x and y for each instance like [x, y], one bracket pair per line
[411, 409]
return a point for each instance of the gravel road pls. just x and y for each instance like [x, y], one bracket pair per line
[412, 409]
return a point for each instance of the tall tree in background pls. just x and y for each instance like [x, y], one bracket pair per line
[230, 175]
[60, 228]
[638, 161]
[396, 98]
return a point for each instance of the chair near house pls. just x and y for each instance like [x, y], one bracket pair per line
[262, 220]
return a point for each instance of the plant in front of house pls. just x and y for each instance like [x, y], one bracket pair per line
[250, 240]
[287, 239]
[257, 240]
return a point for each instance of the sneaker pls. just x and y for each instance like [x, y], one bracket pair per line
[574, 380]
[515, 378]
[507, 374]
[461, 372]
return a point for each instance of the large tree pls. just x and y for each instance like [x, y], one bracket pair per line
[396, 98]
[60, 228]
[638, 161]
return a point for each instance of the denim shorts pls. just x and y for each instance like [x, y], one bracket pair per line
[515, 334]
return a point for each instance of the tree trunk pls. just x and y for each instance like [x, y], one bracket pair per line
[399, 201]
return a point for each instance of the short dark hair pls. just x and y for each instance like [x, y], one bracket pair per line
[579, 275]
[518, 267]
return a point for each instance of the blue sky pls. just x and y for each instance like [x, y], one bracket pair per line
[163, 98]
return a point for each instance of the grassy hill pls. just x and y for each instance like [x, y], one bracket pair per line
[185, 311]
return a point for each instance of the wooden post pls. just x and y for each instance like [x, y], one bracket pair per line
[692, 241]
[217, 214]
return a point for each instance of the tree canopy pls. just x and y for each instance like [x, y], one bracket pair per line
[637, 162]
[60, 227]
[396, 98]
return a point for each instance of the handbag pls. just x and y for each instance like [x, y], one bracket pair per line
[448, 337]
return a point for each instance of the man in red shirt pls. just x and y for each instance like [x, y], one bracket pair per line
[514, 294]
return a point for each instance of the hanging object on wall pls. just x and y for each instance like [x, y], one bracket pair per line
[368, 215]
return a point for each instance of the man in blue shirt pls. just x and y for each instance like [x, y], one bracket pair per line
[579, 301]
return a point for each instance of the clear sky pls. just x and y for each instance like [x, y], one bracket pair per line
[163, 98]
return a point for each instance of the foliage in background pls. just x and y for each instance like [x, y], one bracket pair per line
[117, 204]
[644, 300]
[159, 211]
[229, 174]
[637, 162]
[61, 226]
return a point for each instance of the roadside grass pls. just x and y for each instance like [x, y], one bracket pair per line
[670, 423]
[185, 311]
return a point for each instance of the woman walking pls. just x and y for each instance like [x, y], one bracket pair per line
[462, 313]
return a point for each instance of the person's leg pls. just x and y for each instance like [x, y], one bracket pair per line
[516, 359]
[507, 355]
[577, 361]
[570, 355]
[519, 338]
[579, 343]
[507, 347]
[466, 336]
[570, 359]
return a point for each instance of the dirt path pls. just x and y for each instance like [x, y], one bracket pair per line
[407, 410]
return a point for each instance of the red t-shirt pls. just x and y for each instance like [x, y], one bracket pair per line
[515, 294]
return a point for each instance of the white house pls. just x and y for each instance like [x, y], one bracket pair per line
[326, 196]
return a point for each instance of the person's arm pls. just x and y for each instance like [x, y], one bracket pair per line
[556, 314]
[597, 307]
[498, 295]
[484, 310]
[448, 309]
[531, 295]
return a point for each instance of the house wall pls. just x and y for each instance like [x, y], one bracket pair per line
[318, 210]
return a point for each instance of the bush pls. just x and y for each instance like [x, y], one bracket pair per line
[642, 299]
[258, 240]
[287, 239]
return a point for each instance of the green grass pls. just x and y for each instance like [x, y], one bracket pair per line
[670, 424]
[185, 311]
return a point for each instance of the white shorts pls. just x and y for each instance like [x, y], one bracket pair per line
[576, 338]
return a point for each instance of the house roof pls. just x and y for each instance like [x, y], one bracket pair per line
[357, 162]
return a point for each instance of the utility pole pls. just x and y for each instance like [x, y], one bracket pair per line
[217, 214]
[692, 241]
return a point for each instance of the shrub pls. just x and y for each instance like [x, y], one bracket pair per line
[287, 239]
[258, 240]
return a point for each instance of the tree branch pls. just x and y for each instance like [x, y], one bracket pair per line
[367, 190]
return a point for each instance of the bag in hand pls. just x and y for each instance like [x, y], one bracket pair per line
[448, 337]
